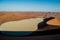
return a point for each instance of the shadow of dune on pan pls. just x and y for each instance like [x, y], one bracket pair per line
[38, 33]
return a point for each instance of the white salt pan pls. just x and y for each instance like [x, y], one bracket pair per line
[21, 25]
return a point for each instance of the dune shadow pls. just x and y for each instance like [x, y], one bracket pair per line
[38, 33]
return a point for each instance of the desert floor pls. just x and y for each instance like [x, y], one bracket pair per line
[11, 16]
[14, 16]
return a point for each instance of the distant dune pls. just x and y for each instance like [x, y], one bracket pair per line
[11, 16]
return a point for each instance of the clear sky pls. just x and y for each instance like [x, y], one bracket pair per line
[30, 5]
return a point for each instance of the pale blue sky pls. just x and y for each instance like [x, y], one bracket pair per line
[30, 5]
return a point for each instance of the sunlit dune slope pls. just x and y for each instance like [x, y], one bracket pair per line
[55, 21]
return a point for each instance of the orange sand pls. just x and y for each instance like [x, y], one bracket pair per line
[55, 21]
[12, 16]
